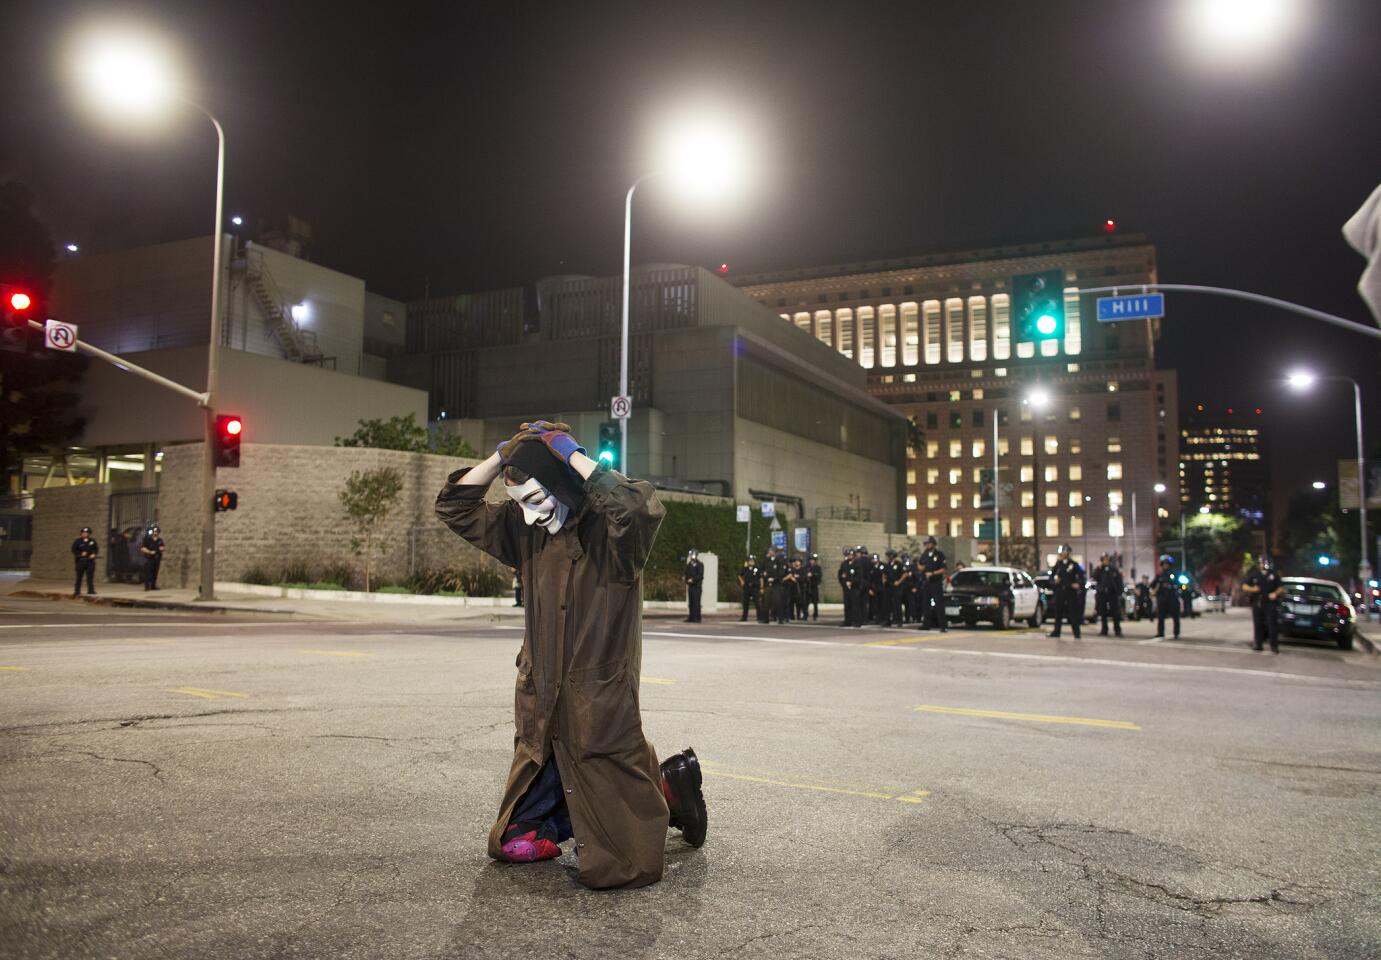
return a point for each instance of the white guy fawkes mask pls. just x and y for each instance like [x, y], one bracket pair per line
[539, 506]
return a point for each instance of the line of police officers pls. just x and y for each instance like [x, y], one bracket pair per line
[781, 590]
[895, 589]
[85, 550]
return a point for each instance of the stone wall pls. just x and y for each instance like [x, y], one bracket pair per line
[289, 511]
[59, 515]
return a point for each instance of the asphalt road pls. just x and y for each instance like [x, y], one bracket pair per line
[211, 787]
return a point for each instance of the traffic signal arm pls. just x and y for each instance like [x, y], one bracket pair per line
[133, 368]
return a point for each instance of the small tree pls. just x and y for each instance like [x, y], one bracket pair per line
[406, 434]
[368, 498]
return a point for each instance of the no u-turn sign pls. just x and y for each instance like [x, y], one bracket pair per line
[60, 336]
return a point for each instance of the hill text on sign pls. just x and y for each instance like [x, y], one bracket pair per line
[1138, 307]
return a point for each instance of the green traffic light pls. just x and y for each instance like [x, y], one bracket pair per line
[1045, 324]
[606, 456]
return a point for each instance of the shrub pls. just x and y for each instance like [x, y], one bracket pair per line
[472, 581]
[257, 574]
[709, 528]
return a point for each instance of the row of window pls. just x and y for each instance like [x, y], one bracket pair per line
[955, 330]
[1073, 498]
[978, 447]
[1050, 473]
[1053, 527]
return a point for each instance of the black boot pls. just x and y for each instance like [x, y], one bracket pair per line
[681, 787]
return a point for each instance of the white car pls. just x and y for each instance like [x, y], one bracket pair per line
[999, 595]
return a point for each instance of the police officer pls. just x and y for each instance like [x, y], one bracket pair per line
[814, 574]
[695, 579]
[898, 579]
[798, 589]
[775, 577]
[84, 552]
[1068, 580]
[1166, 591]
[877, 587]
[1265, 587]
[152, 549]
[913, 588]
[1143, 598]
[862, 578]
[845, 577]
[933, 587]
[1110, 585]
[750, 582]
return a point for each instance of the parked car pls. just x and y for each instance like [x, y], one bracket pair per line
[1048, 592]
[1318, 609]
[998, 595]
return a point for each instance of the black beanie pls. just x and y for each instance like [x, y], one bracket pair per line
[537, 461]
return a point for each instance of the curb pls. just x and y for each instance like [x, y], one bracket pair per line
[1364, 641]
[133, 602]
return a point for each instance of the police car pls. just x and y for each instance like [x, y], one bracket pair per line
[998, 595]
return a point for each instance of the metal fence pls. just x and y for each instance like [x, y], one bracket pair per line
[16, 532]
[131, 514]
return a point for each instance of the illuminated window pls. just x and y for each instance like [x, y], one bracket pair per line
[955, 396]
[979, 448]
[1076, 446]
[1112, 386]
[1002, 331]
[887, 325]
[955, 476]
[911, 502]
[802, 320]
[910, 477]
[1050, 348]
[844, 317]
[954, 330]
[1115, 525]
[978, 528]
[1028, 446]
[1027, 474]
[978, 395]
[1074, 413]
[824, 326]
[956, 500]
[910, 333]
[1028, 527]
[932, 528]
[977, 474]
[1002, 446]
[932, 449]
[1052, 472]
[866, 328]
[911, 528]
[1052, 526]
[978, 329]
[1163, 513]
[932, 331]
[1025, 413]
[977, 501]
[1115, 470]
[932, 500]
[1052, 445]
[1000, 371]
[932, 476]
[1076, 471]
[1076, 498]
[956, 448]
[1114, 444]
[1028, 499]
[954, 527]
[1073, 327]
[1076, 526]
[1052, 498]
[1115, 497]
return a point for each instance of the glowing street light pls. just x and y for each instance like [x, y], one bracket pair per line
[1319, 485]
[132, 74]
[71, 247]
[1039, 397]
[1203, 509]
[1239, 28]
[1300, 379]
[1159, 488]
[237, 220]
[705, 157]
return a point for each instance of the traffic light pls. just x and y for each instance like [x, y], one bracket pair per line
[608, 455]
[225, 500]
[229, 429]
[1038, 306]
[18, 305]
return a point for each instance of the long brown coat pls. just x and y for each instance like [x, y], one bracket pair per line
[577, 688]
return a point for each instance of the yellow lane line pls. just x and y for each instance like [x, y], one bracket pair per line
[1033, 717]
[209, 694]
[917, 796]
[15, 669]
[337, 653]
[898, 641]
[661, 680]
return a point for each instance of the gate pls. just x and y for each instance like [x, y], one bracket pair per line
[16, 532]
[131, 514]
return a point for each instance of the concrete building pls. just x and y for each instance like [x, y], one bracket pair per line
[304, 353]
[933, 336]
[727, 400]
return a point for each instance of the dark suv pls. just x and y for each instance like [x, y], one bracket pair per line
[1318, 609]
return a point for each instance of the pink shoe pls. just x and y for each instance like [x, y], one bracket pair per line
[526, 848]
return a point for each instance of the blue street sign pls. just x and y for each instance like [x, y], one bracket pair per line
[1137, 307]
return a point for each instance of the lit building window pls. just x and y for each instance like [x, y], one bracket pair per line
[1002, 446]
[910, 477]
[977, 528]
[1052, 526]
[1076, 446]
[932, 331]
[1028, 527]
[911, 528]
[978, 329]
[932, 476]
[954, 330]
[1052, 498]
[911, 501]
[824, 326]
[955, 476]
[932, 449]
[955, 396]
[1025, 413]
[1027, 474]
[866, 328]
[910, 333]
[932, 500]
[1115, 525]
[1002, 330]
[1052, 472]
[979, 448]
[803, 321]
[1050, 348]
[1115, 470]
[1073, 326]
[977, 501]
[1074, 414]
[1025, 349]
[1163, 513]
[954, 527]
[977, 474]
[1028, 446]
[1028, 499]
[1076, 526]
[932, 528]
[887, 325]
[1076, 471]
[1076, 498]
[956, 448]
[978, 395]
[956, 500]
[1052, 445]
[1115, 497]
[844, 341]
[1000, 371]
[1114, 444]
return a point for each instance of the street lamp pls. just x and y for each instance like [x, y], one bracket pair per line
[1319, 485]
[703, 156]
[131, 75]
[1300, 380]
[1159, 488]
[1239, 29]
[1038, 398]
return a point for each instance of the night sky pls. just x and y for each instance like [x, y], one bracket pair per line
[465, 146]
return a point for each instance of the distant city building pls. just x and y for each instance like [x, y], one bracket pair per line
[727, 400]
[1223, 465]
[933, 335]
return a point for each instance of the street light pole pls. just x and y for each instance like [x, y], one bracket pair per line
[1363, 567]
[207, 588]
[997, 494]
[623, 337]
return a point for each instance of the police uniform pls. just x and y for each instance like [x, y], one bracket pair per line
[1110, 586]
[933, 588]
[1166, 591]
[695, 580]
[152, 549]
[798, 590]
[814, 574]
[877, 590]
[913, 590]
[750, 580]
[1265, 610]
[1068, 579]
[778, 587]
[862, 576]
[84, 552]
[898, 577]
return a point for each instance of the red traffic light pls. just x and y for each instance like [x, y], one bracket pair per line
[233, 426]
[19, 300]
[723, 268]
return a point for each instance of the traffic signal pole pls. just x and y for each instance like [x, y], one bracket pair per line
[207, 588]
[130, 367]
